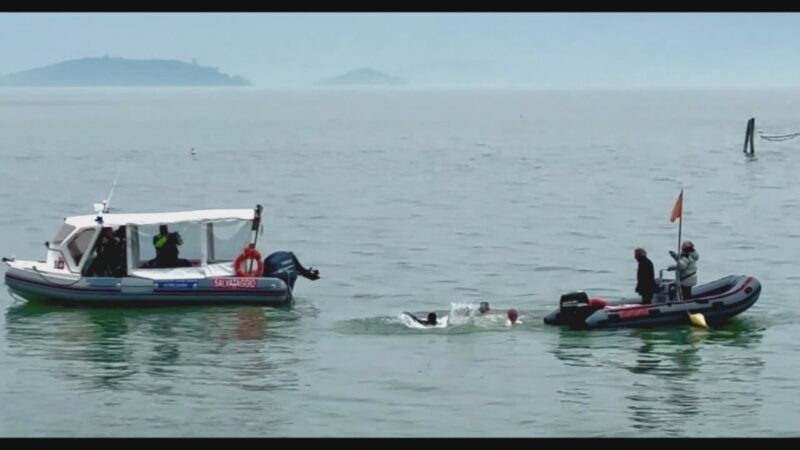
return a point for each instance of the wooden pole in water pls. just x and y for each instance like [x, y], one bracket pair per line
[748, 137]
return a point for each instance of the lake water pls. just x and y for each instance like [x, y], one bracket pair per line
[411, 201]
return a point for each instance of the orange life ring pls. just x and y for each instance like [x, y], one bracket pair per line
[249, 253]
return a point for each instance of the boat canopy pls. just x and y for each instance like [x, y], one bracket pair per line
[211, 236]
[198, 216]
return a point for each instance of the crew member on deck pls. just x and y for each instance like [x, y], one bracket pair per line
[166, 245]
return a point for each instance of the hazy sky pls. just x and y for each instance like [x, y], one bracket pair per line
[537, 50]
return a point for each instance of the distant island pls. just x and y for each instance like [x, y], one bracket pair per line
[363, 77]
[109, 71]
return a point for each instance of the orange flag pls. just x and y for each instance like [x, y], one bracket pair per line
[677, 210]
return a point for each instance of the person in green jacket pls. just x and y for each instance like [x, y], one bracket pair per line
[166, 245]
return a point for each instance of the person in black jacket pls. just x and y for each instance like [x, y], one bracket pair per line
[645, 276]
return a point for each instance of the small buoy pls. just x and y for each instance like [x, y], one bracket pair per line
[698, 320]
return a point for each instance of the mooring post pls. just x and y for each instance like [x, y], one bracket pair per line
[748, 136]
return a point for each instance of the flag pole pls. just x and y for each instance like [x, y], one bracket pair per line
[696, 319]
[677, 266]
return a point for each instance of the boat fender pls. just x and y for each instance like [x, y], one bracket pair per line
[598, 302]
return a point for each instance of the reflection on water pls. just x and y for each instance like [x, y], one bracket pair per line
[689, 365]
[680, 374]
[252, 324]
[671, 354]
[120, 349]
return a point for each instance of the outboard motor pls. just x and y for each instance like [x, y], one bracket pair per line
[281, 265]
[574, 308]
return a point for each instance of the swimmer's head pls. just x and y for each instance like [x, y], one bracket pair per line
[484, 307]
[513, 315]
[432, 318]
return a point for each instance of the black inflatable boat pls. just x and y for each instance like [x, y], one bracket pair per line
[718, 301]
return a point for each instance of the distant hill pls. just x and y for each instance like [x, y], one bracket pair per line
[108, 71]
[363, 77]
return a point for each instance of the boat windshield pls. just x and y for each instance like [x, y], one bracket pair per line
[62, 234]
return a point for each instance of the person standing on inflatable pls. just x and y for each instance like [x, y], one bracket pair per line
[686, 263]
[645, 276]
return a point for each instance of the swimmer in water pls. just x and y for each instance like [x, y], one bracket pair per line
[484, 308]
[513, 315]
[430, 322]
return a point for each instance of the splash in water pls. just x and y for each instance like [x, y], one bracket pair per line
[466, 314]
[408, 321]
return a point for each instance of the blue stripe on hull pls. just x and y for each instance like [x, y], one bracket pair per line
[33, 290]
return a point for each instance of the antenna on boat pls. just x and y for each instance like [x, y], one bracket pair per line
[102, 208]
[107, 202]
